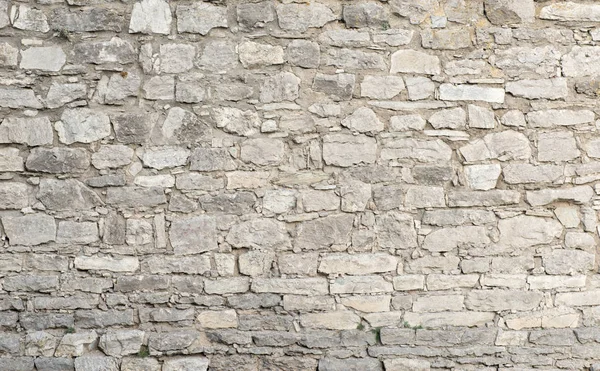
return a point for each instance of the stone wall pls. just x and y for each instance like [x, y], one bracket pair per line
[299, 185]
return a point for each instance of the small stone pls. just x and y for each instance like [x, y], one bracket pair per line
[539, 89]
[112, 156]
[262, 151]
[339, 320]
[43, 58]
[82, 125]
[68, 194]
[120, 264]
[350, 59]
[132, 127]
[200, 18]
[165, 157]
[417, 150]
[412, 61]
[447, 38]
[10, 160]
[505, 12]
[259, 233]
[77, 233]
[471, 92]
[32, 131]
[233, 120]
[401, 364]
[301, 17]
[407, 122]
[8, 54]
[452, 118]
[150, 16]
[18, 98]
[577, 194]
[482, 177]
[26, 18]
[218, 55]
[582, 61]
[349, 364]
[557, 146]
[61, 94]
[347, 150]
[363, 120]
[355, 195]
[194, 363]
[302, 53]
[259, 55]
[159, 88]
[571, 11]
[217, 319]
[365, 15]
[550, 118]
[93, 19]
[481, 117]
[135, 196]
[419, 87]
[255, 14]
[281, 87]
[119, 343]
[176, 58]
[58, 160]
[381, 87]
[193, 235]
[339, 86]
[75, 345]
[513, 118]
[183, 126]
[211, 159]
[504, 146]
[96, 363]
[115, 50]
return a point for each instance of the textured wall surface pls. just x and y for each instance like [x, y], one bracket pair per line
[299, 185]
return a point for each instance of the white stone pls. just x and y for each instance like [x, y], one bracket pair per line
[412, 61]
[176, 58]
[419, 87]
[165, 157]
[46, 58]
[109, 263]
[582, 61]
[381, 87]
[407, 122]
[471, 93]
[151, 16]
[539, 89]
[259, 55]
[559, 117]
[481, 117]
[571, 11]
[557, 146]
[482, 177]
[363, 120]
[200, 17]
[451, 118]
[26, 18]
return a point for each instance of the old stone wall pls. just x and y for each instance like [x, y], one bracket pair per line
[299, 185]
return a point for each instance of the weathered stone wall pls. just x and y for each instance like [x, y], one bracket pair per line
[299, 185]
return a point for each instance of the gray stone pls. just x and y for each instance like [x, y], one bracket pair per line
[54, 364]
[557, 146]
[112, 156]
[570, 11]
[13, 195]
[238, 203]
[255, 15]
[302, 53]
[193, 235]
[365, 15]
[31, 283]
[200, 18]
[43, 58]
[412, 61]
[259, 233]
[347, 150]
[29, 230]
[69, 194]
[17, 364]
[218, 55]
[93, 19]
[352, 60]
[18, 98]
[396, 230]
[135, 196]
[350, 364]
[61, 94]
[119, 343]
[9, 54]
[363, 120]
[82, 125]
[150, 16]
[195, 363]
[10, 160]
[132, 127]
[301, 17]
[339, 86]
[281, 87]
[33, 131]
[324, 232]
[140, 364]
[464, 92]
[165, 157]
[118, 87]
[211, 159]
[577, 194]
[159, 88]
[503, 12]
[448, 38]
[115, 50]
[96, 363]
[176, 58]
[236, 121]
[417, 150]
[77, 233]
[118, 264]
[259, 55]
[27, 18]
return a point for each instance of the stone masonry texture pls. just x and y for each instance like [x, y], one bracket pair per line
[299, 185]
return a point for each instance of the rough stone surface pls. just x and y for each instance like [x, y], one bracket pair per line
[299, 185]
